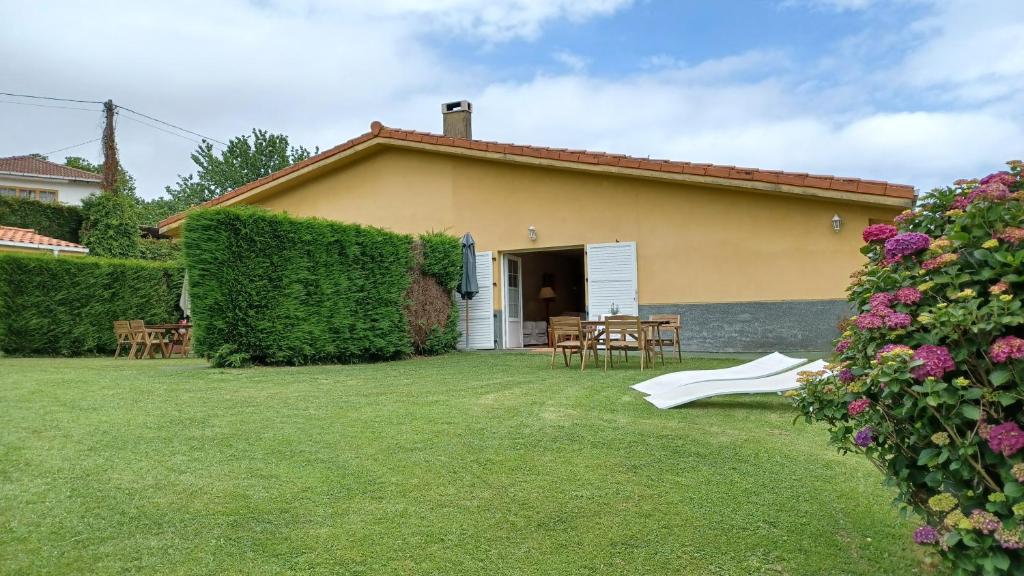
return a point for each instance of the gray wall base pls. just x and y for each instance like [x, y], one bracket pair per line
[805, 325]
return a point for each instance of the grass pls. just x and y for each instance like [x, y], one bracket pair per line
[465, 464]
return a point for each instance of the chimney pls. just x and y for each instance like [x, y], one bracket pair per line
[458, 121]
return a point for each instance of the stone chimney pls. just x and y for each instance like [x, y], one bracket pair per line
[458, 119]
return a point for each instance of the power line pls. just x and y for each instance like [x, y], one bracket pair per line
[159, 128]
[50, 98]
[49, 106]
[75, 146]
[126, 109]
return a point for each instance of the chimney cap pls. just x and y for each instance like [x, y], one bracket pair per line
[457, 106]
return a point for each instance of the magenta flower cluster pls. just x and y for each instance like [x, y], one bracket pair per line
[984, 522]
[879, 232]
[908, 295]
[842, 346]
[1005, 349]
[936, 362]
[1003, 177]
[1012, 235]
[864, 437]
[880, 301]
[846, 376]
[858, 406]
[926, 535]
[994, 191]
[897, 320]
[1006, 438]
[869, 321]
[906, 244]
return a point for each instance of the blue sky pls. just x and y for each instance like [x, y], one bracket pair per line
[911, 91]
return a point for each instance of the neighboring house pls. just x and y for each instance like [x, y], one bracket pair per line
[30, 177]
[26, 240]
[753, 260]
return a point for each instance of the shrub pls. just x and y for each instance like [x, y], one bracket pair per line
[160, 250]
[284, 290]
[110, 226]
[928, 380]
[67, 305]
[49, 219]
[433, 314]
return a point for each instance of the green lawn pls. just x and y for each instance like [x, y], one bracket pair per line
[464, 464]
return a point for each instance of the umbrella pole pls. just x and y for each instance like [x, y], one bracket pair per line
[467, 324]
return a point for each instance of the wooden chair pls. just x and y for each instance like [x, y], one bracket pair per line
[668, 334]
[123, 333]
[625, 333]
[567, 335]
[144, 340]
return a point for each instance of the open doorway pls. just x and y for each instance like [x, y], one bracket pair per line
[537, 286]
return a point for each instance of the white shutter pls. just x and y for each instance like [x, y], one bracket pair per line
[481, 308]
[611, 278]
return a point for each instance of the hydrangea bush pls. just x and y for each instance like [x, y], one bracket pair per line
[928, 377]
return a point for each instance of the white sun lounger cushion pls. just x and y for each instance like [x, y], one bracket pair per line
[763, 366]
[698, 390]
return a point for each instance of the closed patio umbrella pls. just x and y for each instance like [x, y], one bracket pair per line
[468, 286]
[185, 301]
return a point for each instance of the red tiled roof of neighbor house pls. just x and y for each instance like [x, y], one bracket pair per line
[378, 130]
[32, 166]
[29, 236]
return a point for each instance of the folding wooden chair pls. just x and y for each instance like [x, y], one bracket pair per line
[625, 333]
[671, 330]
[144, 340]
[567, 336]
[123, 333]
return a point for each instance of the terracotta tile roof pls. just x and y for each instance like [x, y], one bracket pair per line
[35, 167]
[378, 130]
[29, 236]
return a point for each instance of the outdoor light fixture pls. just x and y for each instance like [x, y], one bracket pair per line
[532, 233]
[837, 222]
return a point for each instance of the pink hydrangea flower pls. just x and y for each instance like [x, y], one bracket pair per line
[842, 346]
[846, 376]
[908, 295]
[926, 535]
[1002, 177]
[904, 216]
[940, 261]
[1006, 438]
[869, 321]
[858, 406]
[936, 362]
[879, 232]
[881, 300]
[891, 348]
[984, 522]
[1005, 349]
[897, 320]
[1012, 234]
[906, 244]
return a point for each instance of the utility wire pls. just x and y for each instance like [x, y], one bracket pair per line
[49, 106]
[50, 98]
[126, 109]
[75, 146]
[193, 140]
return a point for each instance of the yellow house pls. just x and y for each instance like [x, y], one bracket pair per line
[753, 260]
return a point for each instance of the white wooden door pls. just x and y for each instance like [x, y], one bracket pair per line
[513, 301]
[481, 308]
[611, 279]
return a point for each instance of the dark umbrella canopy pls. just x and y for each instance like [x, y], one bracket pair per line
[468, 286]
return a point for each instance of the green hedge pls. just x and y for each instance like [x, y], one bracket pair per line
[110, 226]
[54, 220]
[442, 261]
[162, 250]
[273, 289]
[67, 305]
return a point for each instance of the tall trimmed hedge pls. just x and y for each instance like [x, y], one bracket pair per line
[442, 261]
[66, 306]
[49, 219]
[282, 290]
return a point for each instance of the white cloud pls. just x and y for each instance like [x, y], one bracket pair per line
[573, 62]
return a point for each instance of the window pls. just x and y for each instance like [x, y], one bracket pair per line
[29, 193]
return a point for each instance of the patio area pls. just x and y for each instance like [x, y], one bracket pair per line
[460, 464]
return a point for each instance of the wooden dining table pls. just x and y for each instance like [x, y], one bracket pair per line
[179, 335]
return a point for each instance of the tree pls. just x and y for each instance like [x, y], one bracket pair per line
[124, 184]
[245, 159]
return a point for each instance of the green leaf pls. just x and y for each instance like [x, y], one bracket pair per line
[999, 376]
[970, 411]
[1013, 489]
[926, 455]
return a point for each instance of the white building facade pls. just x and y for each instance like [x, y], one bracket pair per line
[45, 181]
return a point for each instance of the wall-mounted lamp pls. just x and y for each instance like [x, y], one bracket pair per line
[837, 222]
[532, 233]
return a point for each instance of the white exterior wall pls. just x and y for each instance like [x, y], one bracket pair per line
[68, 191]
